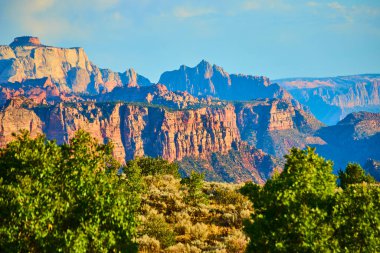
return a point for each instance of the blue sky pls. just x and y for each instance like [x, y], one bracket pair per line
[276, 38]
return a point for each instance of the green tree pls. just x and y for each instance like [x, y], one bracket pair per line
[356, 218]
[156, 166]
[64, 198]
[194, 185]
[354, 174]
[292, 210]
[155, 226]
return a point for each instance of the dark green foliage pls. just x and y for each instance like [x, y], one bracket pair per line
[250, 190]
[227, 197]
[194, 185]
[155, 226]
[356, 218]
[354, 174]
[292, 209]
[302, 210]
[156, 166]
[64, 198]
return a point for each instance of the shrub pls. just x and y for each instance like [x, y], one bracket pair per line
[354, 174]
[157, 166]
[236, 243]
[155, 226]
[199, 231]
[194, 185]
[148, 244]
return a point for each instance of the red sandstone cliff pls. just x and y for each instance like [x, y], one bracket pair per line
[276, 125]
[138, 130]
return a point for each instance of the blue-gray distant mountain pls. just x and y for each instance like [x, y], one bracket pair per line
[331, 99]
[211, 80]
[356, 138]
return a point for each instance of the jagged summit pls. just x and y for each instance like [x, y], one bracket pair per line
[26, 41]
[356, 117]
[206, 79]
[68, 68]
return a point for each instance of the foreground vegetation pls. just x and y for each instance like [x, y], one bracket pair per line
[77, 198]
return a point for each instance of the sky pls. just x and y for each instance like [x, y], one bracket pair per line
[275, 38]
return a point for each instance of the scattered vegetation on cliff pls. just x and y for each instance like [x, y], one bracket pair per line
[76, 197]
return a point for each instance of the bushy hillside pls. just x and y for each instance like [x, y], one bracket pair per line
[77, 198]
[174, 220]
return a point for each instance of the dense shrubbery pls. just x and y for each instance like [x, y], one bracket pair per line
[75, 197]
[302, 210]
[191, 213]
[64, 198]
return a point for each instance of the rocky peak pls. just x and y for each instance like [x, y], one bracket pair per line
[211, 80]
[373, 168]
[26, 41]
[204, 67]
[69, 68]
[132, 78]
[357, 117]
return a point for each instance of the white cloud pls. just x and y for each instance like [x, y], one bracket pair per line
[313, 4]
[354, 12]
[281, 5]
[336, 6]
[189, 12]
[251, 5]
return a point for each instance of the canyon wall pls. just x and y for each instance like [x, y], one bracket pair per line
[331, 99]
[276, 125]
[69, 68]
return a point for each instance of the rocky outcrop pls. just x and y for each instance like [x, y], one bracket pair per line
[37, 91]
[238, 165]
[69, 68]
[157, 94]
[14, 117]
[331, 99]
[276, 125]
[211, 80]
[373, 168]
[356, 138]
[26, 41]
[138, 130]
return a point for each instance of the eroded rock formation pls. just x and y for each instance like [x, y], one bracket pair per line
[69, 68]
[331, 99]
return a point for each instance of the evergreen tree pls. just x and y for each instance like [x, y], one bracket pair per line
[354, 174]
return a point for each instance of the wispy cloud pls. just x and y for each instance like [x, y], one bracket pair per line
[351, 13]
[57, 19]
[189, 12]
[249, 5]
[313, 4]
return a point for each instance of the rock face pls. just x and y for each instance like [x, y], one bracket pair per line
[206, 79]
[156, 94]
[331, 99]
[69, 68]
[238, 165]
[138, 130]
[373, 168]
[14, 118]
[38, 91]
[276, 125]
[145, 130]
[25, 41]
[356, 138]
